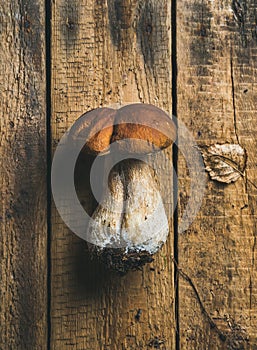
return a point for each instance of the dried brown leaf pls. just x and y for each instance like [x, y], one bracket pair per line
[224, 162]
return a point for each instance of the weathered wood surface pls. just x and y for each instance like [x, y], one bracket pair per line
[23, 266]
[104, 53]
[217, 100]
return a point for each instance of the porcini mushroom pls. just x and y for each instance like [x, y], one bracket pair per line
[130, 224]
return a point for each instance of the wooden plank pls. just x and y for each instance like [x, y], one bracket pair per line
[23, 266]
[217, 88]
[108, 52]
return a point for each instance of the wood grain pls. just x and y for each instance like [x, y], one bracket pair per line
[114, 52]
[23, 266]
[217, 101]
[104, 53]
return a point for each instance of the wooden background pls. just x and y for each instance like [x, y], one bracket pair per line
[195, 59]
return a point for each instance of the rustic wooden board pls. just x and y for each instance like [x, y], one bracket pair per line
[23, 267]
[108, 52]
[217, 89]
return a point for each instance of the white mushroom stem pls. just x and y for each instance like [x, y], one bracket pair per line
[131, 214]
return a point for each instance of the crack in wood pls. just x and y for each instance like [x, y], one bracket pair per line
[211, 322]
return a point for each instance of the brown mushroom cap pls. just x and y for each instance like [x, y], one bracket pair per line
[143, 122]
[96, 128]
[128, 127]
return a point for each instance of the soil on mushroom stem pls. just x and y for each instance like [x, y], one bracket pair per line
[121, 261]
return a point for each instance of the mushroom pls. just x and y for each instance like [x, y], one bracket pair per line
[130, 224]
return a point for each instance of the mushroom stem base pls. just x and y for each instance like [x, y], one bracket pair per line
[122, 261]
